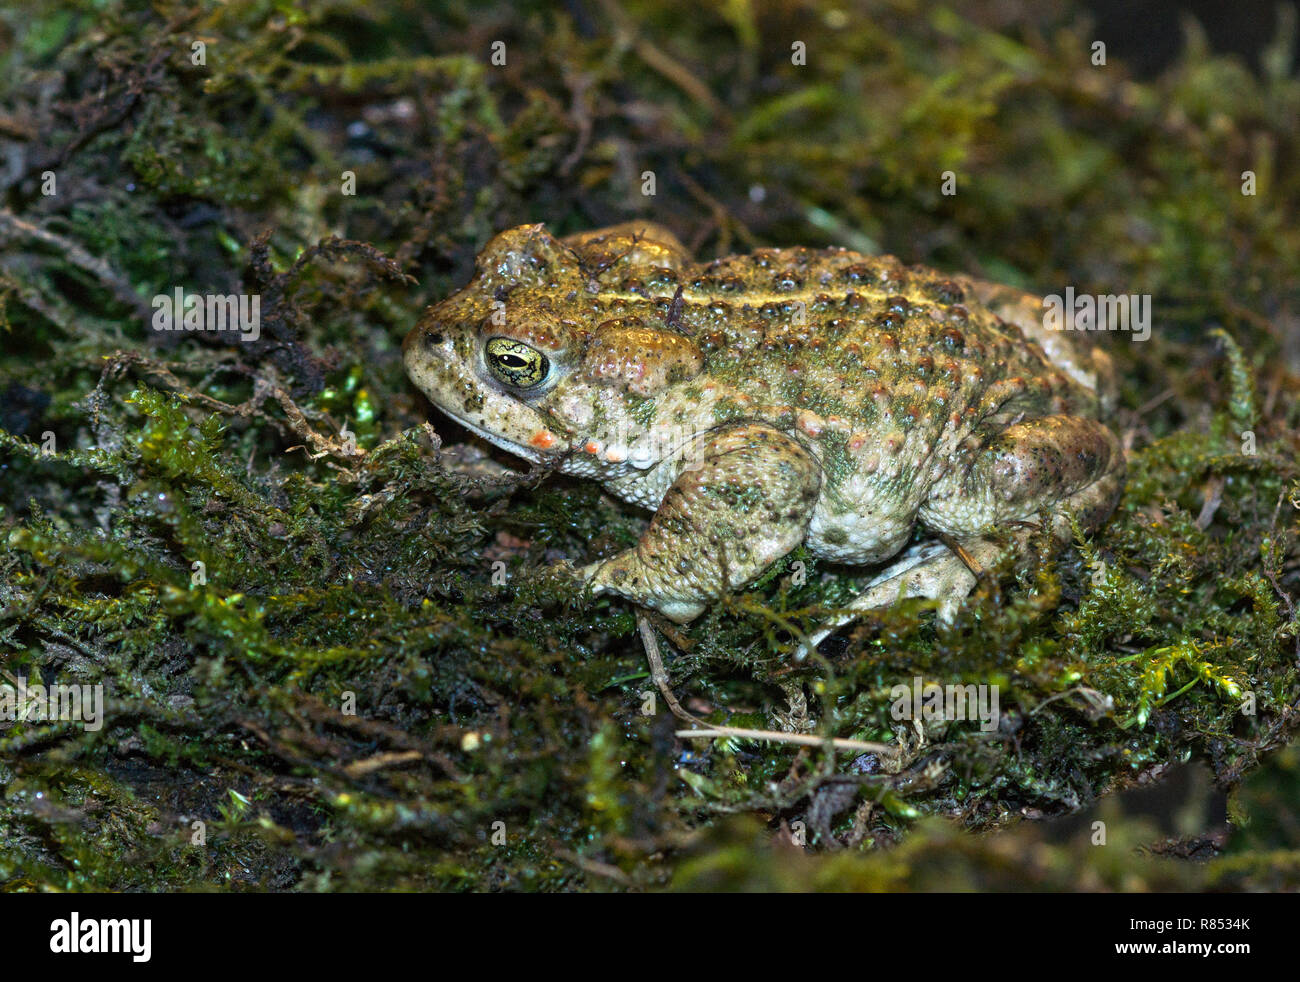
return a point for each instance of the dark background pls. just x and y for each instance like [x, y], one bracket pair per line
[1147, 34]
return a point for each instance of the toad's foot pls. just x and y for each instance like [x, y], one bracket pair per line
[928, 569]
[1013, 469]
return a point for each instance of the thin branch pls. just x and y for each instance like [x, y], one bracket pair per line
[707, 731]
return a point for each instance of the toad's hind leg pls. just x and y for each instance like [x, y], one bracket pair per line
[1064, 464]
[927, 569]
[1071, 465]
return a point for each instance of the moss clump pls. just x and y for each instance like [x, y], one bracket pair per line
[331, 653]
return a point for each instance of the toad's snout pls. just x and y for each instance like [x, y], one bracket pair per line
[426, 342]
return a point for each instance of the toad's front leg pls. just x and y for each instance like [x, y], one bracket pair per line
[743, 500]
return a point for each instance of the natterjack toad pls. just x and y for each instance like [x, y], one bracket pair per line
[789, 396]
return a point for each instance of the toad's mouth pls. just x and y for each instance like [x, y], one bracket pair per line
[652, 450]
[519, 450]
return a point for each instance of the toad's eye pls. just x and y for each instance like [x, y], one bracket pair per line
[516, 364]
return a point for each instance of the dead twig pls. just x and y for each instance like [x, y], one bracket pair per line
[708, 731]
[360, 768]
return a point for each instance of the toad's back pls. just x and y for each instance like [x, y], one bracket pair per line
[859, 341]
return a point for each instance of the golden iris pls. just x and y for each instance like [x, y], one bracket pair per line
[516, 363]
